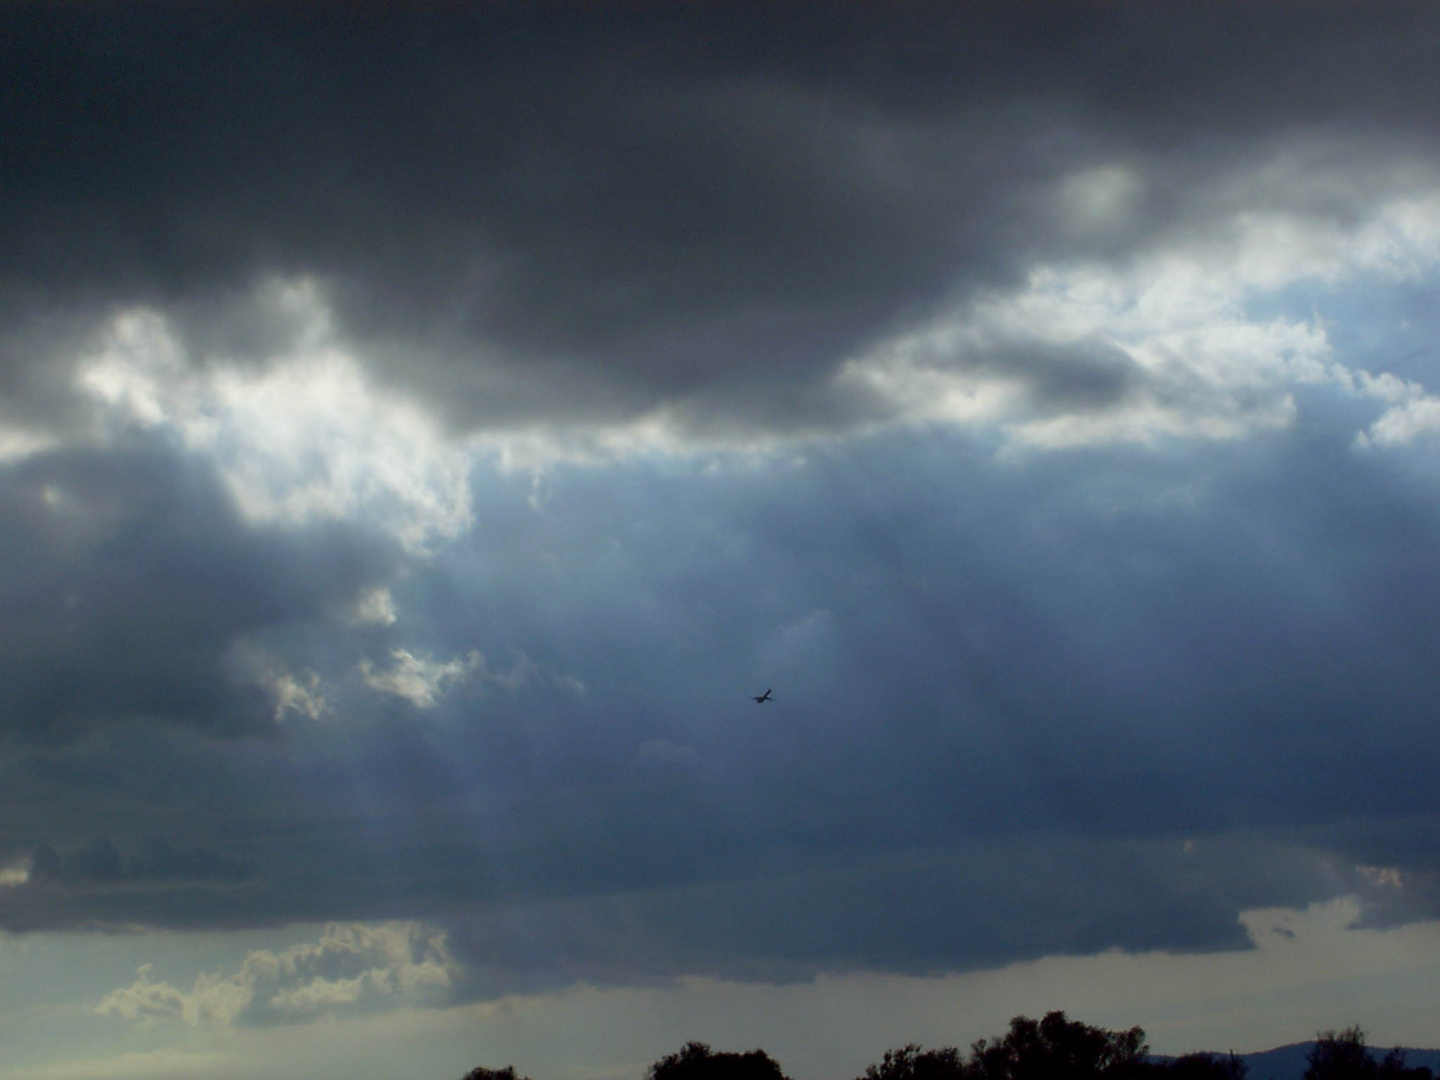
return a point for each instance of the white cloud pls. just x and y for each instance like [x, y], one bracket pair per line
[662, 431]
[1405, 423]
[303, 437]
[144, 1002]
[1166, 338]
[300, 693]
[352, 966]
[18, 442]
[374, 607]
[420, 681]
[423, 681]
[320, 995]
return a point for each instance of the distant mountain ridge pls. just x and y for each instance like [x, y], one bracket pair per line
[1289, 1062]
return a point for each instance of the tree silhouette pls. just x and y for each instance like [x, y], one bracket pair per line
[1051, 1048]
[481, 1073]
[1392, 1067]
[1340, 1055]
[910, 1062]
[1055, 1048]
[1343, 1055]
[696, 1061]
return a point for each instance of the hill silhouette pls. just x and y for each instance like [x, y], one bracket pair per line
[1290, 1061]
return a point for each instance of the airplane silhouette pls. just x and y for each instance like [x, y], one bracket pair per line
[763, 698]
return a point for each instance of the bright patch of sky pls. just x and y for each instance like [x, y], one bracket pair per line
[304, 437]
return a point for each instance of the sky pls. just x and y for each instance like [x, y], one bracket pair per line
[424, 428]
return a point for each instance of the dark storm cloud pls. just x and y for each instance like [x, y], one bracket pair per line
[1079, 663]
[100, 861]
[685, 207]
[1007, 695]
[919, 912]
[131, 575]
[1007, 692]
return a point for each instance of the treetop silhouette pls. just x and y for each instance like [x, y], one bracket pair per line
[696, 1061]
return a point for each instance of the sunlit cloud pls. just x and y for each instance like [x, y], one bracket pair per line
[352, 966]
[1162, 345]
[374, 607]
[418, 680]
[303, 437]
[299, 693]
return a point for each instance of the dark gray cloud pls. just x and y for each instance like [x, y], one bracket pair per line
[921, 912]
[99, 861]
[698, 209]
[1008, 695]
[1024, 704]
[133, 577]
[1090, 375]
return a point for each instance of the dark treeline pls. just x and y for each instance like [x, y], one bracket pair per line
[1052, 1048]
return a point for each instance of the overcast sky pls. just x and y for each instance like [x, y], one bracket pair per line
[423, 429]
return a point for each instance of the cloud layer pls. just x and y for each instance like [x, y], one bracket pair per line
[678, 223]
[421, 431]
